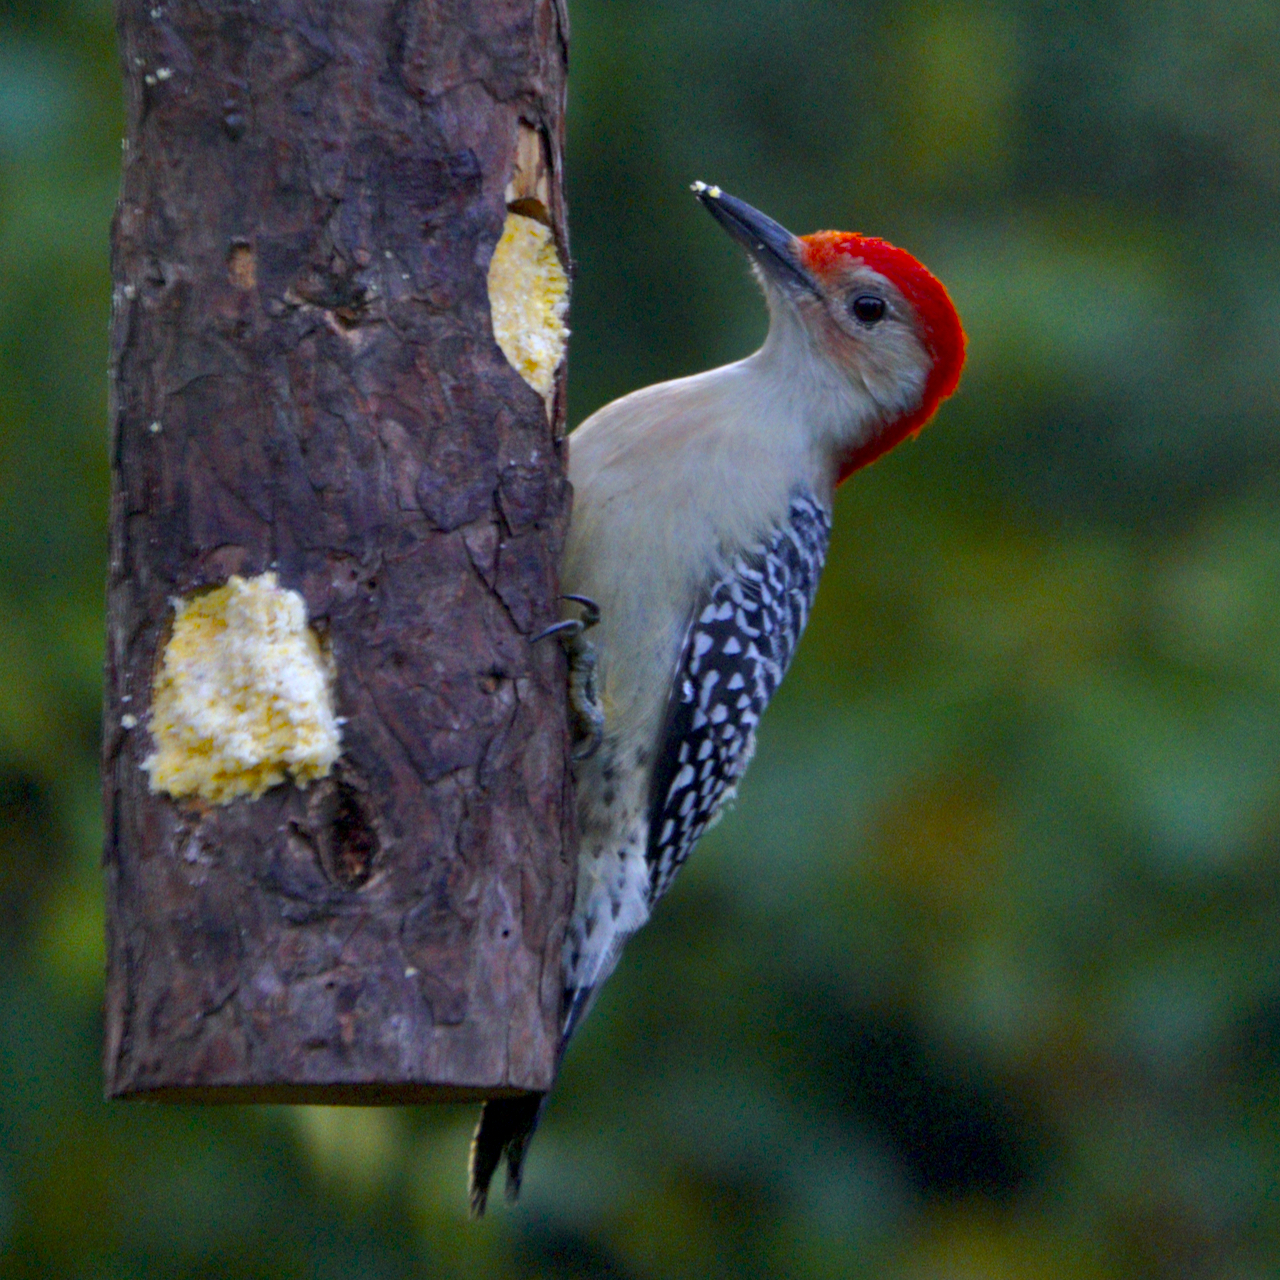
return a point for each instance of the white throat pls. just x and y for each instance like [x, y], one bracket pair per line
[832, 410]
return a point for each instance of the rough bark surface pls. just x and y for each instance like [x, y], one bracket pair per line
[305, 380]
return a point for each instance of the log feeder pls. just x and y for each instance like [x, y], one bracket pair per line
[339, 822]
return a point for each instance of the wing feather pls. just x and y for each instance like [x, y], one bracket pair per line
[737, 648]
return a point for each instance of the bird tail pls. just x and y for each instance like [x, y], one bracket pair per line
[506, 1127]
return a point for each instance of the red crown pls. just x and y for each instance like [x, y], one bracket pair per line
[825, 251]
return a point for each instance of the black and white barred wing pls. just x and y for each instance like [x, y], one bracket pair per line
[738, 648]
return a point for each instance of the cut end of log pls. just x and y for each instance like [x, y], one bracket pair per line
[529, 300]
[244, 697]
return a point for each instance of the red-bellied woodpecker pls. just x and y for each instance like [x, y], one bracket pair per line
[702, 509]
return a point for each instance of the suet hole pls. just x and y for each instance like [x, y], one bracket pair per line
[528, 284]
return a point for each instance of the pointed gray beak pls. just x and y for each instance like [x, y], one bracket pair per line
[769, 243]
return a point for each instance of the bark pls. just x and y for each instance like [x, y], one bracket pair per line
[305, 381]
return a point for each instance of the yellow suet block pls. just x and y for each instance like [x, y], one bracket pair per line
[529, 300]
[244, 696]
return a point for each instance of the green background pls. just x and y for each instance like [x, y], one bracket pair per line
[980, 978]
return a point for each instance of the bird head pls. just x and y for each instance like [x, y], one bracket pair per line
[865, 309]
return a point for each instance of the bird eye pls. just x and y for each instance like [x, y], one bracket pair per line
[867, 307]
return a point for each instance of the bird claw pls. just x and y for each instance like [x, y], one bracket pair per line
[568, 628]
[589, 744]
[590, 610]
[571, 628]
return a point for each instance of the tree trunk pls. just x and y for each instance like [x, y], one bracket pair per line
[305, 383]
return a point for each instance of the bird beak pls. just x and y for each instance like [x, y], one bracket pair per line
[771, 245]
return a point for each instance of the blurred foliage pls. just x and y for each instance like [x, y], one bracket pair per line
[981, 980]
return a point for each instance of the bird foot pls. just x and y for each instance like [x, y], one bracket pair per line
[571, 627]
[584, 699]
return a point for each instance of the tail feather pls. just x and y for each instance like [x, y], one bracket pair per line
[505, 1128]
[507, 1125]
[577, 1004]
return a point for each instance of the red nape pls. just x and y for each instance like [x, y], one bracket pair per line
[939, 325]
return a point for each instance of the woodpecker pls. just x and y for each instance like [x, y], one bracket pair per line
[702, 511]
